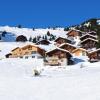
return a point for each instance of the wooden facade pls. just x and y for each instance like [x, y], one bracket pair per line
[17, 52]
[58, 57]
[26, 50]
[88, 36]
[79, 52]
[30, 49]
[94, 56]
[61, 40]
[67, 46]
[89, 43]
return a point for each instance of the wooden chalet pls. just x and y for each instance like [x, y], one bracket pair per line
[94, 56]
[32, 49]
[79, 52]
[88, 36]
[67, 46]
[27, 50]
[89, 43]
[58, 56]
[74, 33]
[43, 42]
[61, 40]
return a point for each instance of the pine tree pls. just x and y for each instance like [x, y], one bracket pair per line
[30, 39]
[38, 38]
[19, 26]
[45, 37]
[33, 29]
[53, 37]
[34, 40]
[66, 29]
[48, 33]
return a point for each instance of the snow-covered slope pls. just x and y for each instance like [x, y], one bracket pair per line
[29, 32]
[72, 83]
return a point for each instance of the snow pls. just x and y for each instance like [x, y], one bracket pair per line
[6, 47]
[47, 47]
[98, 21]
[28, 32]
[70, 82]
[17, 82]
[89, 39]
[89, 35]
[87, 24]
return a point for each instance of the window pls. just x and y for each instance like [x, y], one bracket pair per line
[26, 57]
[33, 56]
[33, 52]
[21, 56]
[30, 48]
[83, 53]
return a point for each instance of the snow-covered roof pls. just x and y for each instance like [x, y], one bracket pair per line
[66, 44]
[94, 51]
[31, 45]
[57, 48]
[89, 35]
[89, 39]
[91, 32]
[15, 48]
[47, 47]
[75, 30]
[62, 38]
[44, 40]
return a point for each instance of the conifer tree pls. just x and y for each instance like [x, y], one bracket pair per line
[48, 33]
[30, 39]
[34, 40]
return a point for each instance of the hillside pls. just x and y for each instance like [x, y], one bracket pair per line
[78, 80]
[15, 31]
[9, 34]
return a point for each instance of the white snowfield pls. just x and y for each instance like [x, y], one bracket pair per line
[55, 83]
[29, 32]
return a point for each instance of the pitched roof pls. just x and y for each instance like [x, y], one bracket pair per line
[44, 40]
[91, 32]
[15, 49]
[28, 46]
[94, 51]
[89, 39]
[60, 50]
[62, 38]
[66, 44]
[33, 45]
[74, 30]
[89, 35]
